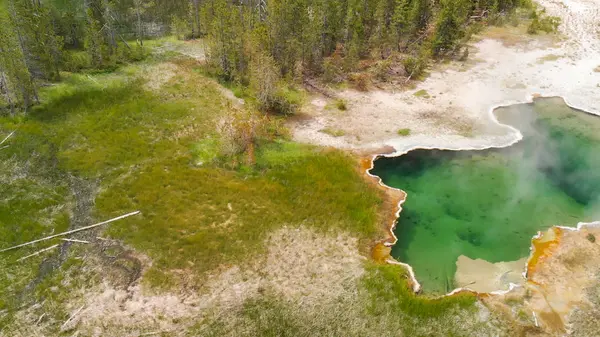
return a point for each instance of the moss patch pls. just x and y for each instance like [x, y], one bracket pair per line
[422, 93]
[404, 132]
[334, 132]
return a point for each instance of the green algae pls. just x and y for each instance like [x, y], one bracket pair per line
[488, 204]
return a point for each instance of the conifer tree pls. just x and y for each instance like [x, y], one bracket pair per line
[41, 46]
[16, 84]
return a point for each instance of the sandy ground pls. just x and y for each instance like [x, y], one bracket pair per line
[561, 295]
[502, 70]
[506, 66]
[483, 276]
[301, 266]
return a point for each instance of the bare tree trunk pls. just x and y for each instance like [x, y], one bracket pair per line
[5, 88]
[139, 22]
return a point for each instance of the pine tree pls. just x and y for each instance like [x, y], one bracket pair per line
[449, 28]
[41, 46]
[97, 40]
[16, 84]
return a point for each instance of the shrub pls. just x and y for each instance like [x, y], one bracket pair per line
[361, 81]
[332, 73]
[76, 61]
[134, 53]
[286, 101]
[179, 28]
[543, 22]
[341, 105]
[264, 79]
[240, 132]
[591, 238]
[414, 66]
[381, 70]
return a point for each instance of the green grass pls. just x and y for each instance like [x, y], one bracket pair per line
[159, 152]
[145, 150]
[404, 132]
[422, 93]
[93, 127]
[383, 305]
[191, 216]
[390, 291]
[341, 105]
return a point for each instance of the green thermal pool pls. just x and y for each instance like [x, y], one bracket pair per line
[488, 204]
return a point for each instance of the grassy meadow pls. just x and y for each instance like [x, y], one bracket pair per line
[104, 144]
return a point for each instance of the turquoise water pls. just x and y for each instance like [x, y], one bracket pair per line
[488, 204]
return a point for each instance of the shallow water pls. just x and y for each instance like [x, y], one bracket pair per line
[488, 204]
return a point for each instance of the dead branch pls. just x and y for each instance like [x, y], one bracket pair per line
[4, 147]
[7, 137]
[70, 232]
[125, 42]
[155, 332]
[75, 240]
[40, 319]
[318, 89]
[71, 318]
[410, 76]
[37, 253]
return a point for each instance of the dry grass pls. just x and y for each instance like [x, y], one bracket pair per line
[334, 132]
[549, 58]
[508, 35]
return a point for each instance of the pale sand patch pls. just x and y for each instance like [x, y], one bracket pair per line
[301, 265]
[560, 295]
[507, 74]
[483, 276]
[158, 75]
[195, 49]
[558, 283]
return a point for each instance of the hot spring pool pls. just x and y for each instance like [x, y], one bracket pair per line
[488, 204]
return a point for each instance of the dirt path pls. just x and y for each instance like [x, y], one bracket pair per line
[457, 112]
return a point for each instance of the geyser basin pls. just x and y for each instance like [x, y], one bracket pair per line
[488, 204]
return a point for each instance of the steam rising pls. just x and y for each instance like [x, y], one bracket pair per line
[488, 204]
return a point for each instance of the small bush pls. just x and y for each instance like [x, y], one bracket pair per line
[135, 53]
[404, 132]
[542, 22]
[414, 66]
[238, 91]
[361, 81]
[381, 70]
[591, 238]
[272, 96]
[341, 105]
[332, 73]
[180, 28]
[76, 61]
[286, 101]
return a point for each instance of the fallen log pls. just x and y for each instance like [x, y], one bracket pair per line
[71, 318]
[70, 232]
[37, 253]
[75, 240]
[7, 137]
